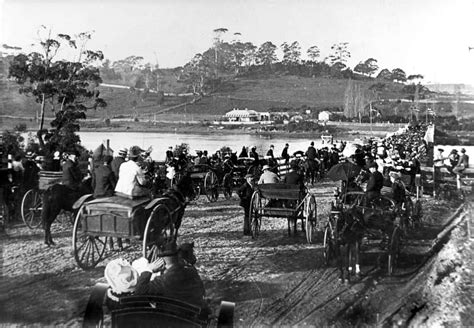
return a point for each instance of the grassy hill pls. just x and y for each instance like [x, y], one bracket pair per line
[276, 92]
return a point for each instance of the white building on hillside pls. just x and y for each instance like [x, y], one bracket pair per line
[324, 116]
[246, 116]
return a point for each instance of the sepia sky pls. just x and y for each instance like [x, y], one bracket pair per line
[428, 37]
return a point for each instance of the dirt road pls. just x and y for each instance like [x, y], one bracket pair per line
[274, 280]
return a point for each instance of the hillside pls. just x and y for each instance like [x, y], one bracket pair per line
[277, 92]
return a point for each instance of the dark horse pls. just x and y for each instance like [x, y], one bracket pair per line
[56, 198]
[168, 210]
[349, 233]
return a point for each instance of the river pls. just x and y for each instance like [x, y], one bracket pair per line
[210, 142]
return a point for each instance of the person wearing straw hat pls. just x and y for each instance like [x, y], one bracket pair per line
[268, 176]
[132, 179]
[118, 160]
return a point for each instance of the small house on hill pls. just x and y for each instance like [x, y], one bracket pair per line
[246, 116]
[242, 115]
[324, 116]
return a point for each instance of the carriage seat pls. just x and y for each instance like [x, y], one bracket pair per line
[118, 202]
[151, 311]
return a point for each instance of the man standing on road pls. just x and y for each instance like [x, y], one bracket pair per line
[245, 193]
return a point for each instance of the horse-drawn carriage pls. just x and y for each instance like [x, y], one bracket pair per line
[353, 218]
[284, 201]
[205, 181]
[146, 220]
[236, 177]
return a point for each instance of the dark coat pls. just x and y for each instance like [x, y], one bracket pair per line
[294, 178]
[311, 153]
[104, 181]
[284, 154]
[180, 282]
[115, 165]
[72, 176]
[375, 184]
[245, 193]
[398, 192]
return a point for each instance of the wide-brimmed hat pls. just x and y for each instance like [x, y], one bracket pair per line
[123, 152]
[121, 276]
[30, 154]
[248, 176]
[395, 174]
[266, 167]
[167, 249]
[440, 149]
[134, 152]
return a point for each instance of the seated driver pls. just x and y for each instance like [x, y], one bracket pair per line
[132, 179]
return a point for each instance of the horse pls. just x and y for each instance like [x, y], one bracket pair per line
[311, 170]
[60, 197]
[349, 231]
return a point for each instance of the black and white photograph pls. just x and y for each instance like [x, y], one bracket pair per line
[236, 163]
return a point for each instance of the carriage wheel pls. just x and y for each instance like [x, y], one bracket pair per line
[394, 250]
[159, 229]
[227, 183]
[417, 214]
[329, 245]
[211, 184]
[31, 207]
[311, 216]
[255, 219]
[88, 249]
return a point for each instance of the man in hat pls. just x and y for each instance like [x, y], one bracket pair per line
[284, 153]
[453, 160]
[30, 176]
[178, 281]
[268, 176]
[132, 179]
[117, 161]
[104, 180]
[169, 155]
[312, 161]
[72, 176]
[398, 188]
[245, 193]
[462, 164]
[374, 184]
